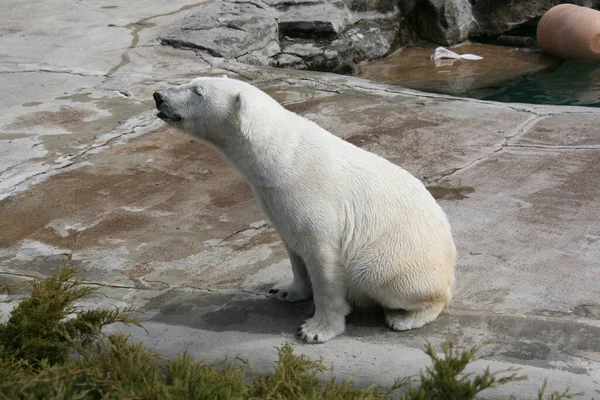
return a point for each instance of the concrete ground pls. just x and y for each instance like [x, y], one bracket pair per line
[164, 224]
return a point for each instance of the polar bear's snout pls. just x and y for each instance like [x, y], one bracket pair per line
[165, 108]
[158, 98]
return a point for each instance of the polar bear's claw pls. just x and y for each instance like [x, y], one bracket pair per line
[320, 331]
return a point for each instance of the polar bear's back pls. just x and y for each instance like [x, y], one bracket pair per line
[387, 227]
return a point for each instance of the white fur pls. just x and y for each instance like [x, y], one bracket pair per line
[358, 229]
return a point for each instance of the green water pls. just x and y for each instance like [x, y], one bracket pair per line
[574, 83]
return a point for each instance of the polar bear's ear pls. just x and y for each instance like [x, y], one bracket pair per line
[243, 112]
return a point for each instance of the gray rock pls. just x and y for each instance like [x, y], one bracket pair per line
[371, 40]
[313, 20]
[287, 3]
[360, 6]
[261, 56]
[304, 34]
[452, 21]
[495, 18]
[303, 54]
[335, 35]
[234, 30]
[446, 21]
[285, 60]
[303, 50]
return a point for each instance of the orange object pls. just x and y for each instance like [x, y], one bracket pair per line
[570, 32]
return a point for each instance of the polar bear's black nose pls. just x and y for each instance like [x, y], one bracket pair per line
[158, 98]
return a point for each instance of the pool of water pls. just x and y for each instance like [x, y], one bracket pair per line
[575, 83]
[505, 74]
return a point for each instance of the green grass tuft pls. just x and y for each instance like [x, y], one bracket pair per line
[446, 380]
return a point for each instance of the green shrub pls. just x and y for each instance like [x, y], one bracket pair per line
[38, 328]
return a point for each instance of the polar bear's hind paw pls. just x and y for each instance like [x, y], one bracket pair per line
[402, 320]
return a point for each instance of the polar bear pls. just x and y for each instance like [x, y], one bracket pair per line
[358, 229]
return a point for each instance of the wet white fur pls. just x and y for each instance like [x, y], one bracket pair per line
[358, 229]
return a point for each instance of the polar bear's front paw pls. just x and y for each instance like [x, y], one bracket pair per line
[289, 292]
[320, 331]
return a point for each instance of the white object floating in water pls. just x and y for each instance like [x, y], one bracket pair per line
[443, 53]
[471, 57]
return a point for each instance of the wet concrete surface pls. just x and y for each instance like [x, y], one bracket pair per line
[165, 224]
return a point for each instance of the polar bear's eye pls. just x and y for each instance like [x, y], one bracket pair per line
[198, 91]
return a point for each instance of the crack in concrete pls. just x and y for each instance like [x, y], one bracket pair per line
[222, 67]
[71, 161]
[142, 288]
[552, 147]
[68, 71]
[138, 285]
[51, 170]
[561, 319]
[137, 27]
[330, 88]
[524, 128]
[89, 283]
[13, 167]
[18, 275]
[521, 129]
[225, 291]
[114, 286]
[112, 139]
[55, 71]
[80, 3]
[256, 228]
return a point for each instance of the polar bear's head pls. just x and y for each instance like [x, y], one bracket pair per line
[214, 109]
